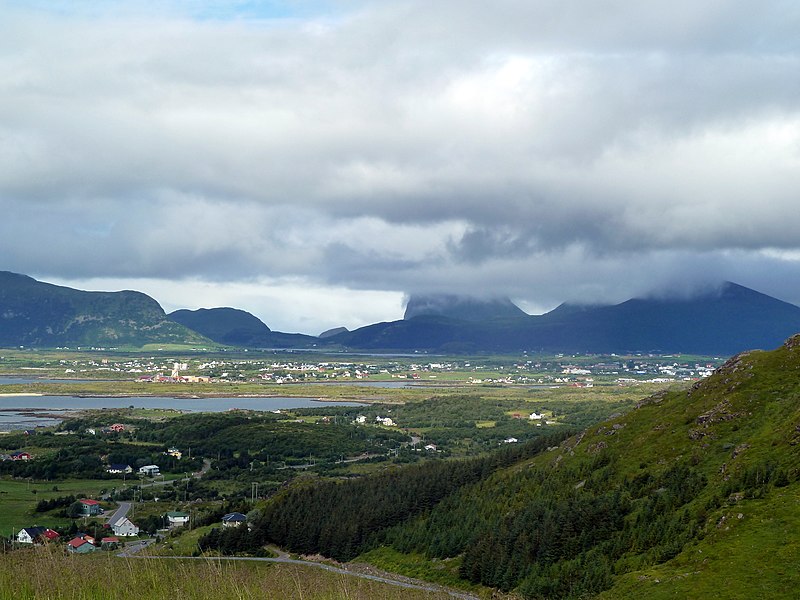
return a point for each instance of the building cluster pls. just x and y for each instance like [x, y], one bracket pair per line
[118, 526]
[558, 370]
[16, 456]
[115, 428]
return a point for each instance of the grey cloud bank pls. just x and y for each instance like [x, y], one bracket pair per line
[548, 151]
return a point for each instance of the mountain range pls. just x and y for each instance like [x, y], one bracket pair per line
[723, 321]
[33, 313]
[235, 327]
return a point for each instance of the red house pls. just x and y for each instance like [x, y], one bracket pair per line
[50, 535]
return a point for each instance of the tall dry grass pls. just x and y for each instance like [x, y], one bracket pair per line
[47, 572]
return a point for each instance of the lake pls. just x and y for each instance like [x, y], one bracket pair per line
[25, 412]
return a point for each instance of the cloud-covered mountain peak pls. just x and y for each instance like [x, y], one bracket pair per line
[464, 308]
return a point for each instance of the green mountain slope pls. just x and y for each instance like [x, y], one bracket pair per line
[699, 485]
[33, 313]
[235, 327]
[224, 325]
[720, 322]
[693, 490]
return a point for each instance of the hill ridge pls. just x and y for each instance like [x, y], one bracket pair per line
[636, 506]
[35, 313]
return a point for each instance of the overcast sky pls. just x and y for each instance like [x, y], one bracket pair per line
[313, 162]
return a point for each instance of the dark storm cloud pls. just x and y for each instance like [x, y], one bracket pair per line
[545, 150]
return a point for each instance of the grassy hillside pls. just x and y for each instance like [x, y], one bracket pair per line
[755, 556]
[691, 490]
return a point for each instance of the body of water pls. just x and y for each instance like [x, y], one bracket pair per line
[20, 412]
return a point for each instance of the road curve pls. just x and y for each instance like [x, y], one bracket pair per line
[121, 511]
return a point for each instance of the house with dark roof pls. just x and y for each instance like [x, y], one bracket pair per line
[233, 519]
[36, 535]
[27, 535]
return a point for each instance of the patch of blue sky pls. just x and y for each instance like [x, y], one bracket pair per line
[215, 10]
[258, 9]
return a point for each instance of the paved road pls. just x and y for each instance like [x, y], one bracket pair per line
[121, 512]
[132, 548]
[284, 559]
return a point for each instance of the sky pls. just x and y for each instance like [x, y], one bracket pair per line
[315, 162]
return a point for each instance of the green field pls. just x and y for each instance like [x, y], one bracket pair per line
[18, 500]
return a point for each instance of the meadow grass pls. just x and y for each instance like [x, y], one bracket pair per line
[48, 573]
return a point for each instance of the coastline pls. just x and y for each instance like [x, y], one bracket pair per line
[201, 396]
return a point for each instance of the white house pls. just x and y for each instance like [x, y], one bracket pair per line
[150, 471]
[36, 535]
[511, 440]
[124, 527]
[118, 469]
[536, 417]
[177, 519]
[29, 534]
